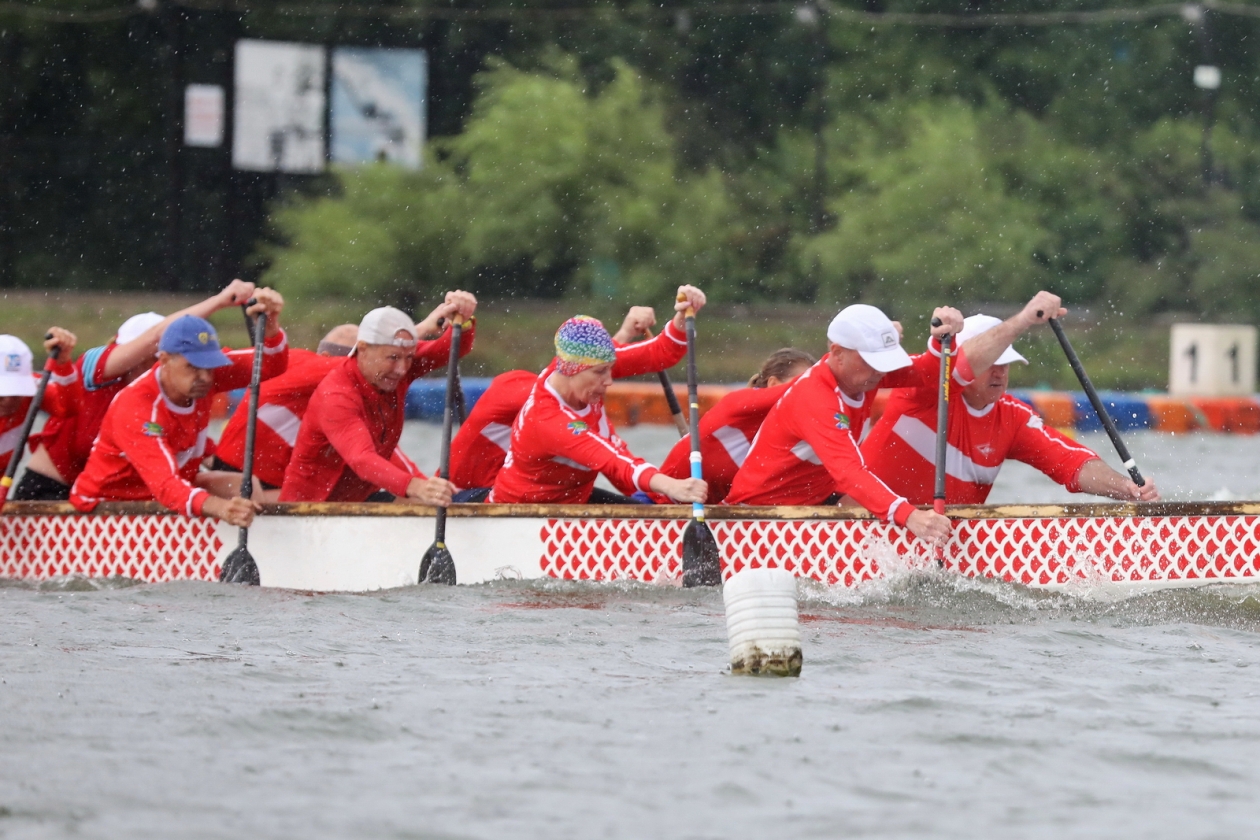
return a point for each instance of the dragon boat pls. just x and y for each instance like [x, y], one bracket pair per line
[365, 547]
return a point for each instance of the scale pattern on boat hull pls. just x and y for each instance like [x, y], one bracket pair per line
[1171, 549]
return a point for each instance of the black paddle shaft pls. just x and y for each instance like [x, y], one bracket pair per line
[31, 414]
[251, 426]
[1103, 416]
[448, 420]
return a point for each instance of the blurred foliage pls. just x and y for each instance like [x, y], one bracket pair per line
[767, 157]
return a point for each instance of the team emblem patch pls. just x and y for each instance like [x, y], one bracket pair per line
[153, 429]
[203, 337]
[578, 427]
[842, 420]
[12, 363]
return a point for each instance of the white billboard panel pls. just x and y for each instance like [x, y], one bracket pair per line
[278, 124]
[378, 105]
[203, 116]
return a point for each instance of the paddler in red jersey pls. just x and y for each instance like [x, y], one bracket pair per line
[480, 447]
[17, 386]
[562, 440]
[986, 427]
[154, 435]
[355, 417]
[727, 430]
[806, 452]
[282, 403]
[79, 394]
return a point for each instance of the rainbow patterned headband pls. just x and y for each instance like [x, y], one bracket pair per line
[582, 343]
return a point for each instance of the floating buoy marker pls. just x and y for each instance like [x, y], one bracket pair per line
[762, 623]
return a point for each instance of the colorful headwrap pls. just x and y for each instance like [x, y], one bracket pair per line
[582, 343]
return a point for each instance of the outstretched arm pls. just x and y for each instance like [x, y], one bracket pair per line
[1099, 479]
[144, 348]
[983, 350]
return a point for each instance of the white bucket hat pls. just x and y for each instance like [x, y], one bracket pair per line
[869, 331]
[977, 324]
[15, 368]
[136, 326]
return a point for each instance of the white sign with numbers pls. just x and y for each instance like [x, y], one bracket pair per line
[1212, 360]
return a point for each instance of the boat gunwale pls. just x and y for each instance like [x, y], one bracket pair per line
[1087, 510]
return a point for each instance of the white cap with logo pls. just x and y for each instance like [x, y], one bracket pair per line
[869, 331]
[977, 324]
[15, 368]
[137, 325]
[381, 326]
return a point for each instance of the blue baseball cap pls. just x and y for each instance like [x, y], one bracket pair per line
[195, 339]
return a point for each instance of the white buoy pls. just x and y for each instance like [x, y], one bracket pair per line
[761, 623]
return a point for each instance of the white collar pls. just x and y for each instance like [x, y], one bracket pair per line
[580, 412]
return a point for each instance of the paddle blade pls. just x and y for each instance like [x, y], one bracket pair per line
[239, 567]
[438, 566]
[702, 562]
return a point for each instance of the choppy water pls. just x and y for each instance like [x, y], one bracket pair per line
[929, 706]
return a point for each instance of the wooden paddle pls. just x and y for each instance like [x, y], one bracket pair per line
[1103, 416]
[239, 567]
[942, 421]
[702, 561]
[437, 565]
[675, 410]
[27, 424]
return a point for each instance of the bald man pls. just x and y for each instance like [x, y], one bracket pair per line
[281, 405]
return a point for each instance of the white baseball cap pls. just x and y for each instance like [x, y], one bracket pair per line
[136, 326]
[15, 368]
[977, 324]
[867, 330]
[380, 326]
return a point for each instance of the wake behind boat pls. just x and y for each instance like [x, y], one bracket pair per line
[363, 547]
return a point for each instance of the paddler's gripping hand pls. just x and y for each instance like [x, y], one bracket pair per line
[435, 492]
[929, 526]
[269, 301]
[951, 321]
[638, 320]
[63, 340]
[235, 511]
[234, 294]
[1145, 493]
[1041, 309]
[688, 297]
[680, 489]
[458, 302]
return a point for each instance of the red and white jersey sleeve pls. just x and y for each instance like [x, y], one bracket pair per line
[557, 452]
[726, 434]
[10, 431]
[902, 447]
[660, 352]
[482, 443]
[282, 403]
[807, 450]
[431, 355]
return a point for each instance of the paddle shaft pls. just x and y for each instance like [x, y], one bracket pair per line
[448, 420]
[251, 423]
[942, 420]
[693, 403]
[1103, 416]
[27, 424]
[675, 410]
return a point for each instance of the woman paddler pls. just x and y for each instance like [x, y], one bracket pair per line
[728, 429]
[562, 440]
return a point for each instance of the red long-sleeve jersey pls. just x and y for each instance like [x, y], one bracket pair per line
[901, 448]
[726, 434]
[807, 448]
[151, 448]
[480, 447]
[345, 446]
[557, 452]
[281, 406]
[77, 398]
